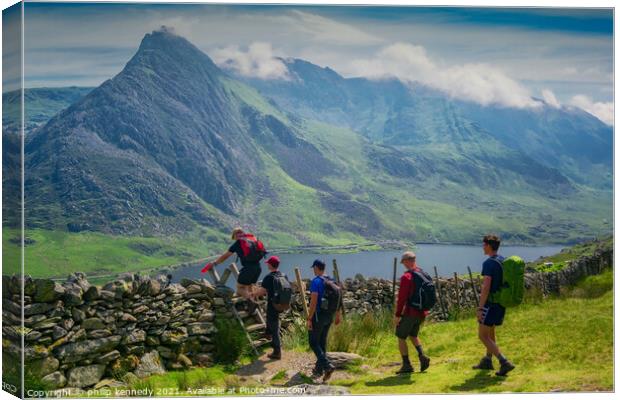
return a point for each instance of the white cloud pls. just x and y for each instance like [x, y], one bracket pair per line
[602, 111]
[480, 83]
[257, 62]
[550, 98]
[325, 30]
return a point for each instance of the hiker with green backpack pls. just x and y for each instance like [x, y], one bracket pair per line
[502, 287]
[279, 294]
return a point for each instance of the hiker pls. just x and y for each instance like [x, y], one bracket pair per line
[407, 318]
[278, 290]
[250, 251]
[325, 301]
[491, 314]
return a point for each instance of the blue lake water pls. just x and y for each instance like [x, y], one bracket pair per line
[380, 264]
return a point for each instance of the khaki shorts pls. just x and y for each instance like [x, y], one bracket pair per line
[408, 326]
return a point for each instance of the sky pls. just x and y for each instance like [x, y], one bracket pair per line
[502, 56]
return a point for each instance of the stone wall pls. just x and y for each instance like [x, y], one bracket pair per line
[77, 333]
[547, 283]
[363, 295]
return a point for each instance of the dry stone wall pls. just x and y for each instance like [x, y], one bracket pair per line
[76, 333]
[363, 295]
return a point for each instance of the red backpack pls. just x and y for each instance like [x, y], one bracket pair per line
[252, 248]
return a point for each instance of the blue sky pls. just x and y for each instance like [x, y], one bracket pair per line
[487, 55]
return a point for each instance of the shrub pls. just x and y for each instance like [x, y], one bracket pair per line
[230, 341]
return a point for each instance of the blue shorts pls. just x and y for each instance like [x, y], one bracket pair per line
[493, 314]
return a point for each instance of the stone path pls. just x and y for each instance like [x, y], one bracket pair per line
[297, 367]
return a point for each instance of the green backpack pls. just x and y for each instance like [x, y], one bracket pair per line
[513, 284]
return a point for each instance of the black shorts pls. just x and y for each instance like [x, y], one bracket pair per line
[493, 314]
[249, 275]
[408, 326]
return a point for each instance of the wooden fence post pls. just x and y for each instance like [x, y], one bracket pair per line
[214, 276]
[337, 278]
[438, 284]
[302, 291]
[394, 284]
[458, 291]
[473, 286]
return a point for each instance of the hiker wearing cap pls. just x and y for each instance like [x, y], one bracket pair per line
[408, 319]
[491, 314]
[325, 302]
[278, 290]
[250, 251]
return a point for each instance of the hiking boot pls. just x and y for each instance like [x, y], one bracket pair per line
[328, 373]
[405, 369]
[485, 363]
[316, 373]
[275, 355]
[424, 363]
[505, 368]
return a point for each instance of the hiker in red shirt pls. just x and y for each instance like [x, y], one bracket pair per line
[408, 319]
[250, 251]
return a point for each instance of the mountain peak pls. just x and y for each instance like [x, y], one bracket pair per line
[164, 50]
[162, 36]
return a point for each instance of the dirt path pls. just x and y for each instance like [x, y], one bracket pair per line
[293, 369]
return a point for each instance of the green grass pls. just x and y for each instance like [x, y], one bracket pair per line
[562, 344]
[561, 259]
[58, 254]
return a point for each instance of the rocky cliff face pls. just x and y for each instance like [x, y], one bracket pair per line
[160, 147]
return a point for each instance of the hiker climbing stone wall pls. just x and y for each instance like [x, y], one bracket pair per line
[77, 333]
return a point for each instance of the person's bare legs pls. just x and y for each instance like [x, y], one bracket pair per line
[402, 347]
[415, 340]
[487, 337]
[424, 360]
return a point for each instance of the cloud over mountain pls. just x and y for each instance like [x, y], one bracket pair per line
[478, 82]
[602, 111]
[257, 61]
[550, 98]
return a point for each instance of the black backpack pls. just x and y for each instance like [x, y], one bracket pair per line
[282, 292]
[332, 296]
[424, 296]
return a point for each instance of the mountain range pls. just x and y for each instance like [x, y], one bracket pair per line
[175, 146]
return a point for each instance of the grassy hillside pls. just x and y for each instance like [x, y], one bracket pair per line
[559, 261]
[533, 337]
[58, 254]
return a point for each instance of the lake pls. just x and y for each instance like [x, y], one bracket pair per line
[380, 264]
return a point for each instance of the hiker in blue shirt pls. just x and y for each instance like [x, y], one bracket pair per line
[319, 322]
[491, 314]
